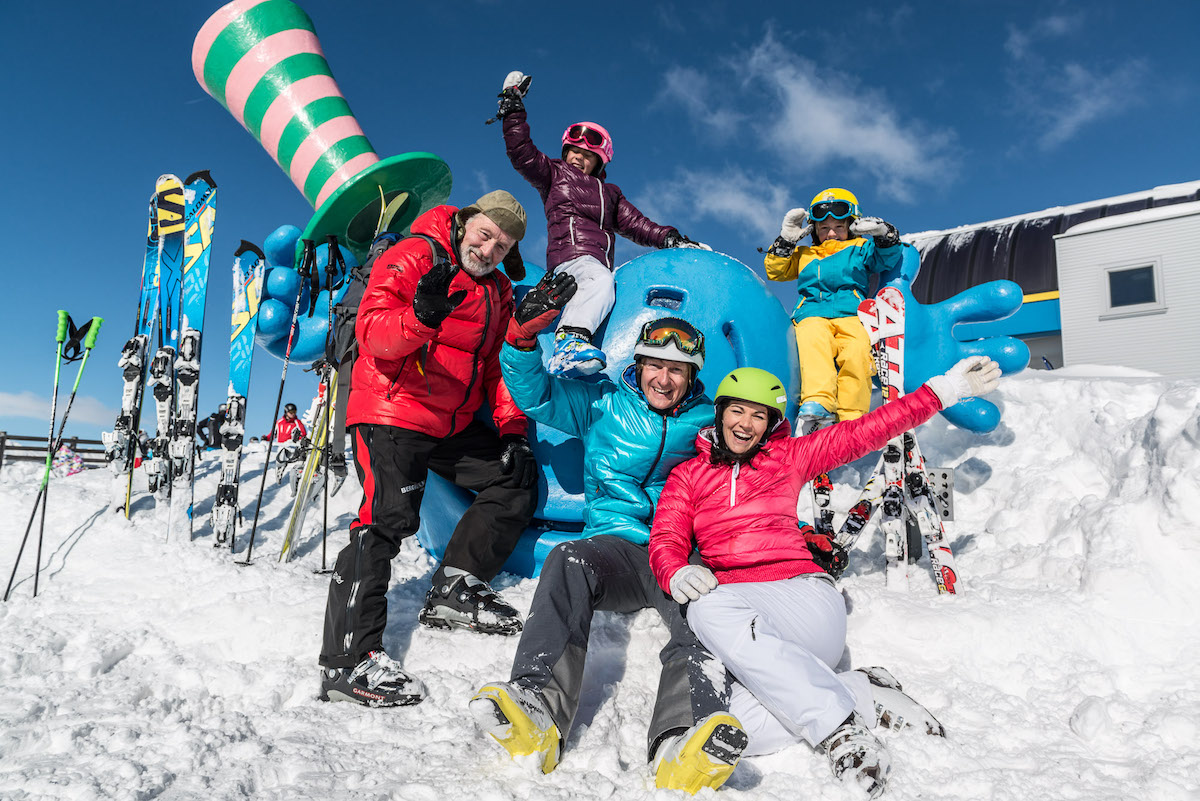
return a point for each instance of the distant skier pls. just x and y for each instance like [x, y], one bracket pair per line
[833, 274]
[209, 429]
[583, 215]
[287, 426]
[292, 438]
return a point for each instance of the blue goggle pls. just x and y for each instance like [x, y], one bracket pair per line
[837, 209]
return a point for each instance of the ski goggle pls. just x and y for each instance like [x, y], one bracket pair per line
[660, 332]
[837, 209]
[582, 133]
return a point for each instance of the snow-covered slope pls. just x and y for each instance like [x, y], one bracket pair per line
[1067, 669]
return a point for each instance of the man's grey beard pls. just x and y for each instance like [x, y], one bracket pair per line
[474, 267]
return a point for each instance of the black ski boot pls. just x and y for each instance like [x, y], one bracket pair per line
[466, 602]
[378, 680]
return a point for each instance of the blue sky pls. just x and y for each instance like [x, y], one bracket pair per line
[723, 116]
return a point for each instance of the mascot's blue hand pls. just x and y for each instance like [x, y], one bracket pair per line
[930, 347]
[280, 288]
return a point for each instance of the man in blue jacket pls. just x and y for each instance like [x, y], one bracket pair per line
[633, 431]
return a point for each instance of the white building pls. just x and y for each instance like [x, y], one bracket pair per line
[1129, 290]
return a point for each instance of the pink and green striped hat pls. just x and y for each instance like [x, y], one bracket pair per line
[262, 61]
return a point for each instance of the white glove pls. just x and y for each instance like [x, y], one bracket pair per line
[971, 377]
[794, 228]
[868, 226]
[690, 582]
[514, 78]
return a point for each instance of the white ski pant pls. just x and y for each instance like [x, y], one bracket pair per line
[595, 296]
[782, 640]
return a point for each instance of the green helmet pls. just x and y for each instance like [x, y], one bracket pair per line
[753, 384]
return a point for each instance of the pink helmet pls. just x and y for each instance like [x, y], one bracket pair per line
[591, 137]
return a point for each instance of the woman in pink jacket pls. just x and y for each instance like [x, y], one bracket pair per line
[759, 601]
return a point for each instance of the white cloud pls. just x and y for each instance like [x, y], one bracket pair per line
[812, 120]
[732, 197]
[1083, 97]
[827, 117]
[1062, 100]
[694, 91]
[85, 409]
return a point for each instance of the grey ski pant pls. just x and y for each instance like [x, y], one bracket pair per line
[607, 573]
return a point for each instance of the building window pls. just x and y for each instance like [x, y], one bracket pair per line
[1131, 287]
[1133, 290]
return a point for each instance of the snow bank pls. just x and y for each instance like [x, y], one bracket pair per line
[1066, 670]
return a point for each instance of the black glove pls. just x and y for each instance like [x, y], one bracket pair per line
[538, 309]
[677, 240]
[890, 239]
[883, 232]
[510, 101]
[431, 304]
[828, 555]
[517, 460]
[782, 247]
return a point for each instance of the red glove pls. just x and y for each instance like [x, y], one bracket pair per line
[828, 555]
[538, 309]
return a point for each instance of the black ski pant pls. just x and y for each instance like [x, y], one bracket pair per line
[392, 465]
[610, 574]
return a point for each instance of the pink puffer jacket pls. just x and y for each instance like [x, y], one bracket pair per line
[743, 518]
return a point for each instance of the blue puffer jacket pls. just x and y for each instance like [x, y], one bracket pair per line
[629, 449]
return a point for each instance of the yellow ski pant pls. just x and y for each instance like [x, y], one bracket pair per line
[835, 364]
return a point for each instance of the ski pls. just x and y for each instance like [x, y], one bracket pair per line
[928, 521]
[883, 317]
[863, 509]
[171, 221]
[899, 488]
[249, 265]
[200, 193]
[121, 444]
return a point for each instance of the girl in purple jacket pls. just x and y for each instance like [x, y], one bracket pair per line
[583, 215]
[759, 601]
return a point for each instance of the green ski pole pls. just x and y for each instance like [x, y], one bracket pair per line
[64, 321]
[93, 331]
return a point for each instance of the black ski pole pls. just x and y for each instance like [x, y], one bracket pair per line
[59, 338]
[307, 264]
[330, 388]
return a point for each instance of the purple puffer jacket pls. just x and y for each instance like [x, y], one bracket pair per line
[582, 211]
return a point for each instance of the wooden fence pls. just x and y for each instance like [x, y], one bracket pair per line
[14, 448]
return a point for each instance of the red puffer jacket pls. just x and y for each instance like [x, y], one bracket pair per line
[743, 518]
[431, 380]
[583, 212]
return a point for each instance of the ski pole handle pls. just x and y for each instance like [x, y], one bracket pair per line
[64, 322]
[93, 332]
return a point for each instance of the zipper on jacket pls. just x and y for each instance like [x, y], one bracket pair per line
[487, 322]
[733, 484]
[571, 225]
[396, 380]
[608, 240]
[662, 444]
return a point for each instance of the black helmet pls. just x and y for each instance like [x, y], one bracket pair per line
[289, 407]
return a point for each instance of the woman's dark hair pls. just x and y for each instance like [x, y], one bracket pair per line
[720, 453]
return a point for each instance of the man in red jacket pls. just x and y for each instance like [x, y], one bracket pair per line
[429, 331]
